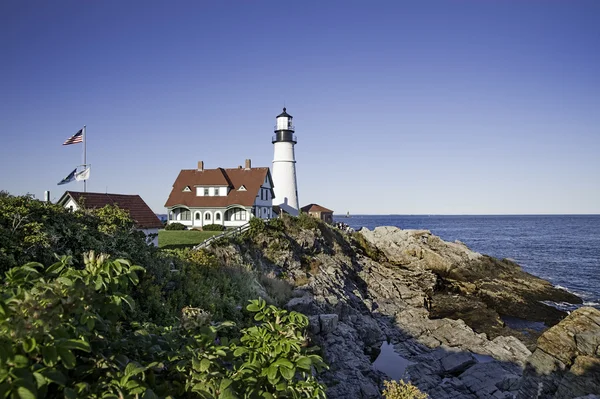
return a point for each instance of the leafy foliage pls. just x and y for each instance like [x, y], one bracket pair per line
[257, 226]
[308, 222]
[99, 327]
[402, 390]
[213, 227]
[175, 226]
[66, 332]
[196, 279]
[277, 224]
[31, 230]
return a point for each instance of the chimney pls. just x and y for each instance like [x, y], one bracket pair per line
[46, 196]
[200, 166]
[248, 164]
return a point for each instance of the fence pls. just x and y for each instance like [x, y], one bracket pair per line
[206, 243]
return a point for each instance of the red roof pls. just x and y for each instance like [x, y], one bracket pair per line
[315, 208]
[252, 179]
[139, 211]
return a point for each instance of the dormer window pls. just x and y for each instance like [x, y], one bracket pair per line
[242, 188]
[206, 191]
[187, 189]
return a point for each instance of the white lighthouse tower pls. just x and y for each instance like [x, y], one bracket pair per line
[284, 165]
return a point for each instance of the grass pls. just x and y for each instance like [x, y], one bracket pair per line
[183, 239]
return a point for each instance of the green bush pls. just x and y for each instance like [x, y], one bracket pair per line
[308, 222]
[213, 227]
[68, 332]
[175, 226]
[32, 230]
[277, 224]
[257, 226]
[402, 390]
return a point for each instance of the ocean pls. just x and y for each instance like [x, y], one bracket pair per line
[563, 249]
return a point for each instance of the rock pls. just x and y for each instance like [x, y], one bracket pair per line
[457, 362]
[314, 325]
[304, 304]
[588, 342]
[565, 363]
[498, 285]
[484, 379]
[438, 302]
[328, 322]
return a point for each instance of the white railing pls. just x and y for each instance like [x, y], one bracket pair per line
[290, 127]
[206, 243]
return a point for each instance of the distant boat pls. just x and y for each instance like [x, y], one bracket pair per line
[347, 214]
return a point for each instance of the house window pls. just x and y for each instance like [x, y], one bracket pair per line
[216, 191]
[239, 214]
[206, 191]
[207, 216]
[217, 216]
[197, 215]
[184, 214]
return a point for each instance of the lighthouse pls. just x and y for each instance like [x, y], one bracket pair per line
[284, 165]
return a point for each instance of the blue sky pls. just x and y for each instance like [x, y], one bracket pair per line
[429, 107]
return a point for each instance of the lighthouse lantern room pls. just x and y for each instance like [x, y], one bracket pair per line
[284, 165]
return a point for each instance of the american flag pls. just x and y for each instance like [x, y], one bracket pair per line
[76, 138]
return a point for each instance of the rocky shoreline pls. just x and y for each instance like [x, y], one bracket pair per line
[438, 304]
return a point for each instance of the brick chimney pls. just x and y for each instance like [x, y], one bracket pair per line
[248, 164]
[200, 166]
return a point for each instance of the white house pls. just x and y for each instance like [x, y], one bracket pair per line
[145, 220]
[229, 197]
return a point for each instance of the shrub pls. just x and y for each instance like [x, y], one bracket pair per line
[213, 227]
[279, 291]
[32, 230]
[277, 224]
[402, 390]
[68, 332]
[257, 226]
[175, 226]
[307, 222]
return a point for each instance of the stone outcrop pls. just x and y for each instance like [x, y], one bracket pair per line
[488, 287]
[566, 362]
[393, 285]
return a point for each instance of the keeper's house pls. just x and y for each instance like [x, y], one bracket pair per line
[228, 197]
[144, 219]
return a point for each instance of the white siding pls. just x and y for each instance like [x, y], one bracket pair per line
[153, 239]
[71, 205]
[284, 177]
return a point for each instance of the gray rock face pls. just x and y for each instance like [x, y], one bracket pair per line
[457, 362]
[489, 285]
[566, 362]
[355, 302]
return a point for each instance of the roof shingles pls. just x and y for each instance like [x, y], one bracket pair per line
[252, 179]
[140, 212]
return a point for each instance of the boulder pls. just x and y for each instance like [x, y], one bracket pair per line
[565, 363]
[457, 362]
[328, 322]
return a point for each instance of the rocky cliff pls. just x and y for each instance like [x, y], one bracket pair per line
[437, 304]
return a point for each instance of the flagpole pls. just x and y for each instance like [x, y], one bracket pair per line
[84, 159]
